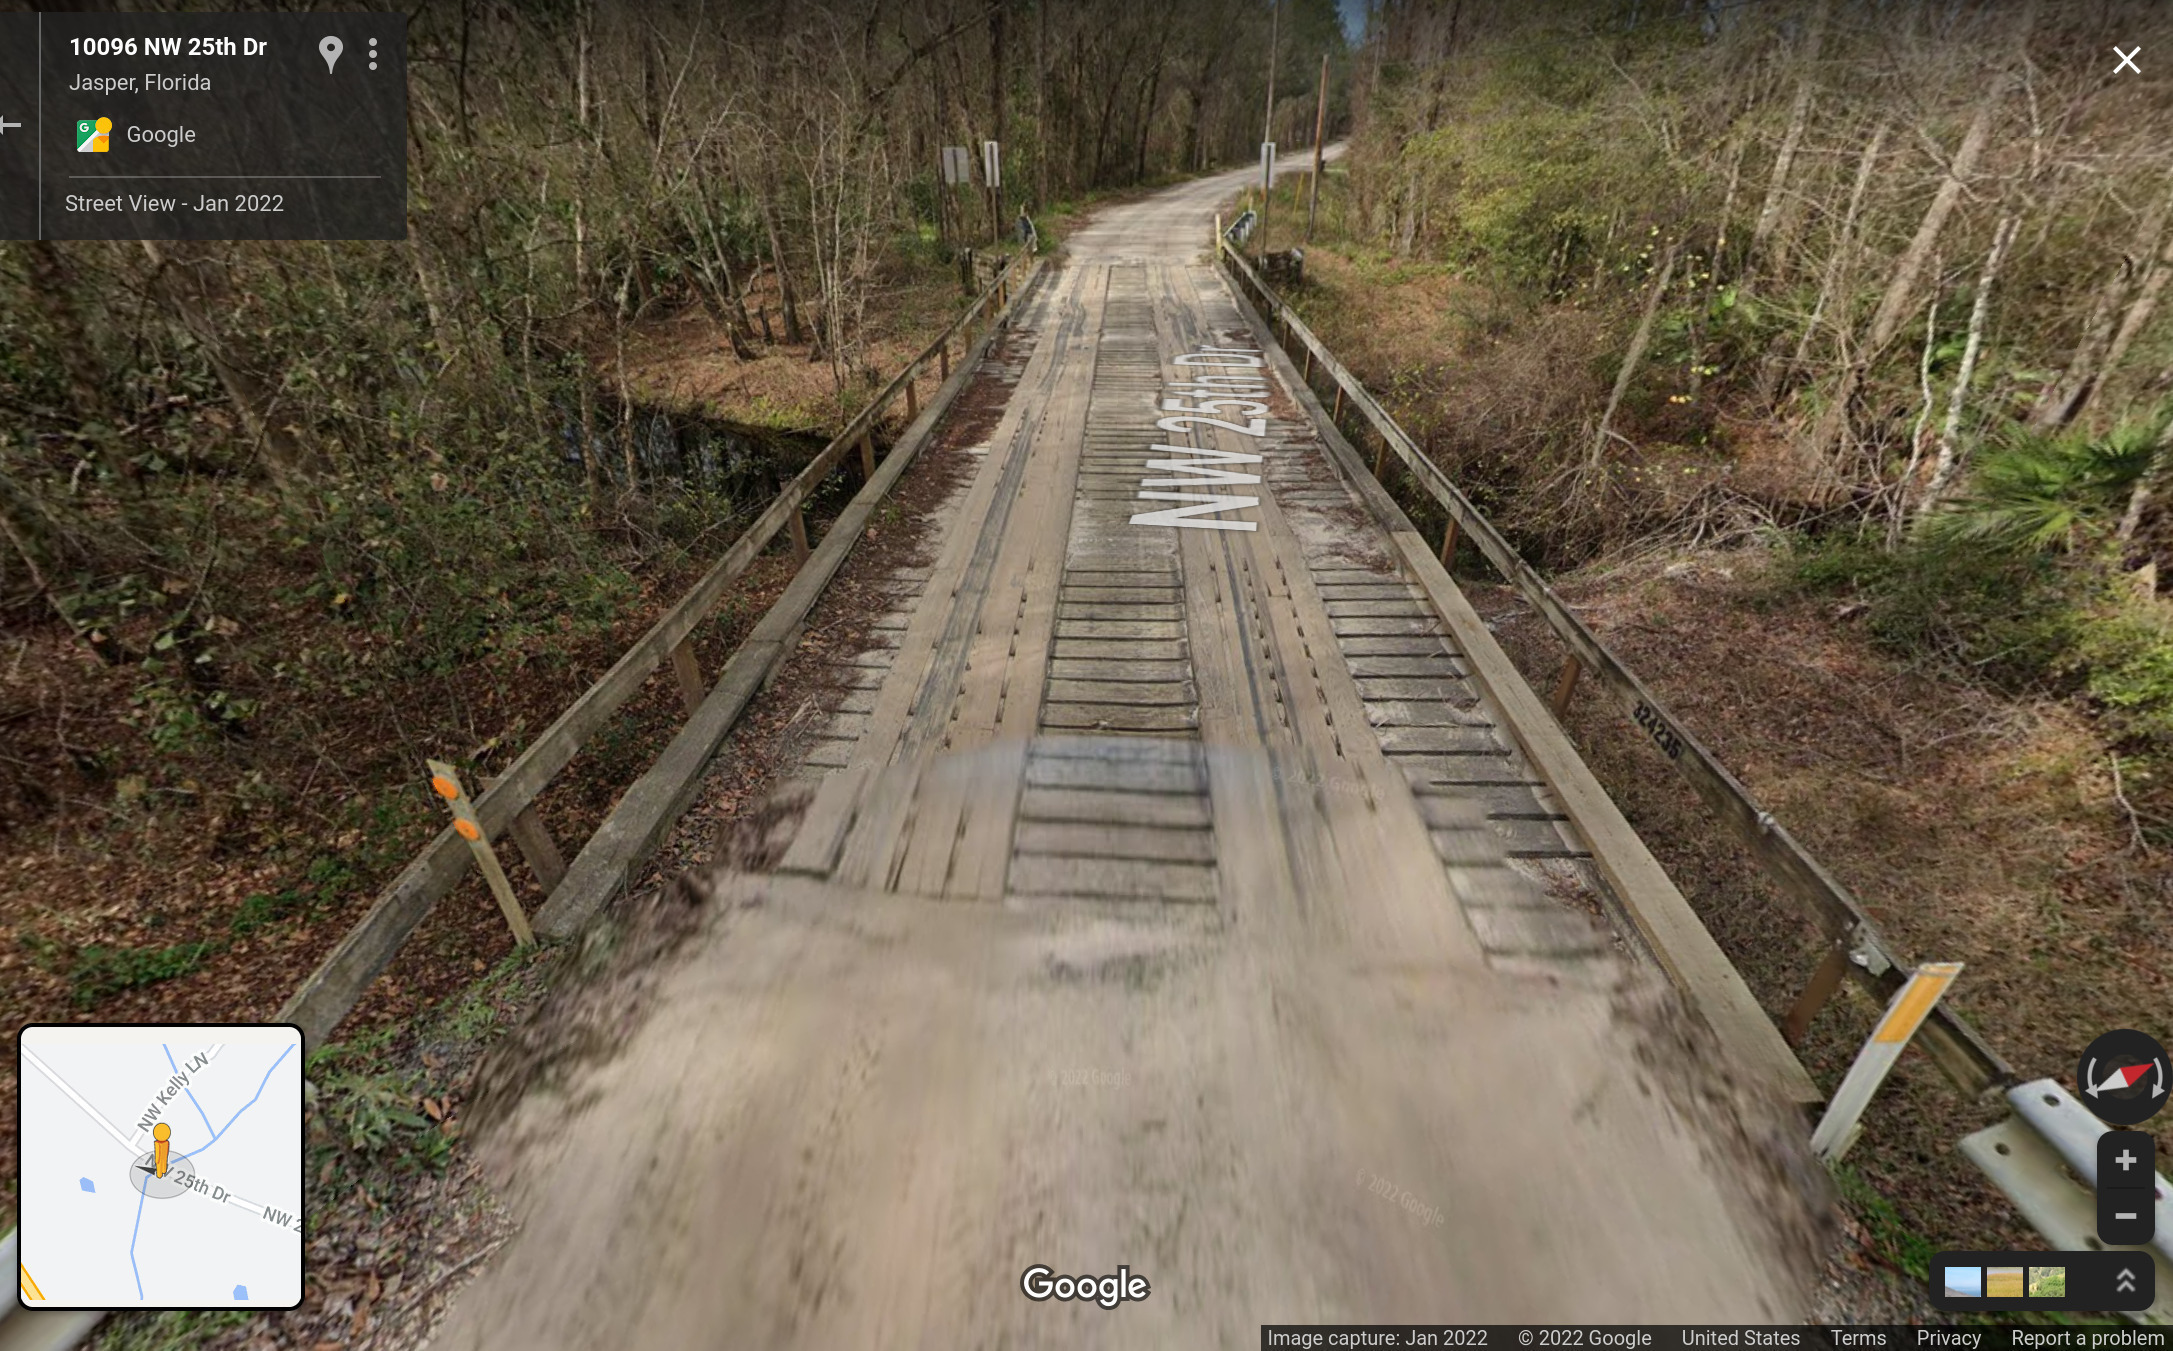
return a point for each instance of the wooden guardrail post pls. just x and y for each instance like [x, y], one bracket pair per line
[912, 399]
[798, 524]
[1824, 981]
[867, 457]
[1565, 685]
[534, 841]
[447, 783]
[538, 849]
[1448, 544]
[687, 667]
[943, 361]
[1337, 414]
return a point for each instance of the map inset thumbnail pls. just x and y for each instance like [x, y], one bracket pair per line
[161, 1166]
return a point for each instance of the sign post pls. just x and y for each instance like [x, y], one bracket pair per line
[1912, 1004]
[465, 823]
[957, 170]
[992, 173]
[1267, 189]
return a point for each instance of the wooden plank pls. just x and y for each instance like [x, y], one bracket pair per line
[1080, 839]
[1365, 838]
[1463, 709]
[1456, 771]
[927, 834]
[1394, 645]
[1367, 627]
[1434, 666]
[1113, 807]
[1127, 629]
[1440, 740]
[1137, 693]
[1124, 594]
[1400, 607]
[1110, 671]
[1134, 776]
[964, 831]
[1098, 649]
[1120, 717]
[1166, 611]
[1499, 801]
[1124, 878]
[1374, 688]
[815, 845]
[1535, 931]
[857, 701]
[1526, 838]
[1129, 750]
[932, 650]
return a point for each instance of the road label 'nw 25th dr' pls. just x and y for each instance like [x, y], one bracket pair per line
[1223, 383]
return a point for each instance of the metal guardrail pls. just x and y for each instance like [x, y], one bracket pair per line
[24, 1329]
[2044, 1156]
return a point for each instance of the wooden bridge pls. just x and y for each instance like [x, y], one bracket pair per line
[1183, 879]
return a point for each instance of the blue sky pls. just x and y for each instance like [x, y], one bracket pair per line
[1354, 18]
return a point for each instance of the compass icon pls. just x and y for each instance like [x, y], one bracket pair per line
[2124, 1077]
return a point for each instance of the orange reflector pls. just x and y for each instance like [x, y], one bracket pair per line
[469, 830]
[1915, 1005]
[447, 789]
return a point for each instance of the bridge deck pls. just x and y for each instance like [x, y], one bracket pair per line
[1172, 897]
[1091, 679]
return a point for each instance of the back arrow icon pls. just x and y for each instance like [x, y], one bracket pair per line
[5, 124]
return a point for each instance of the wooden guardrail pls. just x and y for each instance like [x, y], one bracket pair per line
[632, 830]
[1856, 949]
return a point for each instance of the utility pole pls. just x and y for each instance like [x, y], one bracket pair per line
[996, 111]
[1267, 129]
[1320, 129]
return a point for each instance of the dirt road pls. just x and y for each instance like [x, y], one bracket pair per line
[1173, 902]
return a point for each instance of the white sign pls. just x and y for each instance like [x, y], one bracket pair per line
[957, 165]
[1267, 164]
[992, 164]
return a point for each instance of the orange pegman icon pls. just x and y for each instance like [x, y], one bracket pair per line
[162, 1133]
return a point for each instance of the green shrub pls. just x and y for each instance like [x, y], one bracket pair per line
[2124, 657]
[101, 972]
[2033, 493]
[2006, 619]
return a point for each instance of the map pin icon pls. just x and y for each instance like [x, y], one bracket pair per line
[330, 49]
